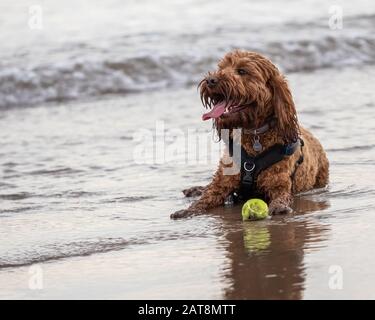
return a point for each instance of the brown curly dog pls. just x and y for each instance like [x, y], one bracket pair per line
[249, 92]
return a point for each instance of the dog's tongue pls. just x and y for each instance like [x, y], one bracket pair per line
[216, 111]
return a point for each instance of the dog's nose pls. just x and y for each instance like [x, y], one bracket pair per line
[212, 81]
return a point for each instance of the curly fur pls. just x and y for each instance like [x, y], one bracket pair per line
[263, 94]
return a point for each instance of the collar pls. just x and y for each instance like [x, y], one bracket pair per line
[262, 129]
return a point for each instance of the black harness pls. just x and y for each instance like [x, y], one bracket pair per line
[251, 166]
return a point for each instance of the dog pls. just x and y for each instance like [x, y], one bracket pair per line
[279, 157]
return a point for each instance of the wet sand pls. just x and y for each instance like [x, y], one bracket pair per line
[74, 203]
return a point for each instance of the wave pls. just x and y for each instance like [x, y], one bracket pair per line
[16, 196]
[71, 250]
[89, 247]
[83, 77]
[352, 148]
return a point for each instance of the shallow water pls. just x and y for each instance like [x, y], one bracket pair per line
[74, 202]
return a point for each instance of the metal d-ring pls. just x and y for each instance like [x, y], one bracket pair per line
[245, 167]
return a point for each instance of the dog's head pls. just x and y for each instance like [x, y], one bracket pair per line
[245, 91]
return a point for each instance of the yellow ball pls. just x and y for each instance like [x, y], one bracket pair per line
[254, 209]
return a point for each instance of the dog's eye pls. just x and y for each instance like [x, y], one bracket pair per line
[241, 72]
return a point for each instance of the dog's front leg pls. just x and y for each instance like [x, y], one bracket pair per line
[276, 184]
[214, 194]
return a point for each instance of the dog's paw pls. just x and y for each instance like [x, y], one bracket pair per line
[193, 191]
[184, 214]
[279, 208]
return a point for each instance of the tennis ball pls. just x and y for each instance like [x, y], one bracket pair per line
[254, 209]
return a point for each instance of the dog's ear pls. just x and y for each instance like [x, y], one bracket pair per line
[285, 111]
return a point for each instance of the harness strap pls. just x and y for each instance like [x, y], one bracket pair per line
[298, 162]
[251, 167]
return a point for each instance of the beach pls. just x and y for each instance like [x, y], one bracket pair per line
[85, 205]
